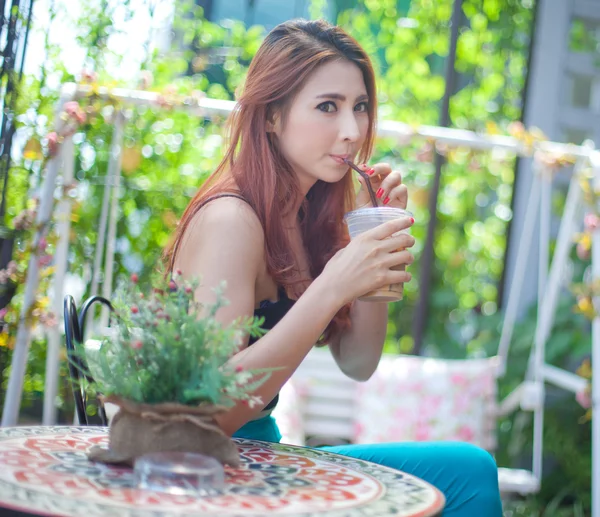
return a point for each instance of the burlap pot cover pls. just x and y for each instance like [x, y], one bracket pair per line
[139, 429]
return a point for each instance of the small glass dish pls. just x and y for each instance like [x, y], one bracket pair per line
[179, 473]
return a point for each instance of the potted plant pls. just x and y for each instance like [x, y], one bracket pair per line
[165, 364]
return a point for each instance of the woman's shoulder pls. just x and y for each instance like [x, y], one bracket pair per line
[226, 218]
[223, 241]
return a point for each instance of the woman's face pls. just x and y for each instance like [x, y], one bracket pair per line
[326, 122]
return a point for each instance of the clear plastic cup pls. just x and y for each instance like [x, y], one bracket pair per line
[364, 219]
[179, 473]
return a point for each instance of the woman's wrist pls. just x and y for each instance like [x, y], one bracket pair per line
[325, 296]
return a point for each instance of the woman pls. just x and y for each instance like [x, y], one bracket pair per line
[269, 222]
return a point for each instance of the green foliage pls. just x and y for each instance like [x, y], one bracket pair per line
[476, 190]
[165, 347]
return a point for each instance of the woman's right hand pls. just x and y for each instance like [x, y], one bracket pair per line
[365, 263]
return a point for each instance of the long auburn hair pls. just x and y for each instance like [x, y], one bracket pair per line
[254, 166]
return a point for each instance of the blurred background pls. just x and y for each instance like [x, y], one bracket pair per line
[526, 68]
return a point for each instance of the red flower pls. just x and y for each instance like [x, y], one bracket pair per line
[44, 260]
[239, 369]
[136, 345]
[172, 286]
[134, 310]
[134, 278]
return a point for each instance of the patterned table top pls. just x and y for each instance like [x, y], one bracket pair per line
[45, 471]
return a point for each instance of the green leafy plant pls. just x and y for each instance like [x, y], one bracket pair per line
[163, 346]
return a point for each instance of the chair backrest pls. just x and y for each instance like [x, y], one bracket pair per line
[327, 399]
[74, 360]
[78, 368]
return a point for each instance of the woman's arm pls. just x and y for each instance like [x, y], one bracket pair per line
[225, 242]
[358, 350]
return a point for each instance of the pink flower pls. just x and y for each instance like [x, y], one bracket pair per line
[583, 252]
[146, 79]
[74, 111]
[44, 260]
[162, 101]
[584, 399]
[88, 76]
[422, 433]
[172, 286]
[50, 320]
[136, 345]
[458, 378]
[466, 434]
[134, 278]
[425, 154]
[53, 140]
[359, 429]
[12, 267]
[42, 244]
[134, 310]
[3, 312]
[516, 128]
[591, 222]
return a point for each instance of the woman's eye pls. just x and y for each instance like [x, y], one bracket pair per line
[362, 107]
[327, 107]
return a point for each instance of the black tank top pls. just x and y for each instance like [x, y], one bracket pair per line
[272, 312]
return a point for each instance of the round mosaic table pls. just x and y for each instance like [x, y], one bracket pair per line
[45, 471]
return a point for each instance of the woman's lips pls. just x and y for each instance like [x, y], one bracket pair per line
[339, 158]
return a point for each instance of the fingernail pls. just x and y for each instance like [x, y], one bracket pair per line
[379, 192]
[412, 220]
[370, 171]
[386, 200]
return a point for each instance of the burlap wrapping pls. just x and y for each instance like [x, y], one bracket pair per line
[139, 429]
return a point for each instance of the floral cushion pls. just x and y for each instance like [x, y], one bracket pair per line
[423, 399]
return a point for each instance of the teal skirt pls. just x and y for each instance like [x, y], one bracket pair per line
[464, 473]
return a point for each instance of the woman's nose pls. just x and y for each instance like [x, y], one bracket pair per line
[349, 128]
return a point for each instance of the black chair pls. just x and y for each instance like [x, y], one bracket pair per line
[78, 368]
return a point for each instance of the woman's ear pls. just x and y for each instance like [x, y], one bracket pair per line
[273, 119]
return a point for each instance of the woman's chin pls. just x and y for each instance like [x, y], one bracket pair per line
[333, 174]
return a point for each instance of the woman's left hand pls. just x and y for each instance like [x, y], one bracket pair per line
[387, 185]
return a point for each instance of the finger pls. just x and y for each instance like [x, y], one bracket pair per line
[396, 277]
[369, 171]
[398, 197]
[389, 228]
[381, 170]
[391, 181]
[398, 258]
[397, 242]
